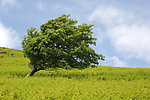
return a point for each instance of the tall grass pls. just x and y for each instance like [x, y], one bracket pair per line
[100, 83]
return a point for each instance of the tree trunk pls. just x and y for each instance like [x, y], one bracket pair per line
[32, 72]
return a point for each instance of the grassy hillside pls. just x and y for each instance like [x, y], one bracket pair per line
[100, 83]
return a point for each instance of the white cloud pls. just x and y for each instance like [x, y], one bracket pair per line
[132, 39]
[8, 37]
[129, 35]
[106, 15]
[41, 6]
[110, 16]
[6, 4]
[116, 61]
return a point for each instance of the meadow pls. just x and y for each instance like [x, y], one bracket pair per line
[99, 83]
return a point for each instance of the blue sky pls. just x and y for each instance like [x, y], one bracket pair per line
[122, 27]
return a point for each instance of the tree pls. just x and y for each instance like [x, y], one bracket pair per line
[60, 43]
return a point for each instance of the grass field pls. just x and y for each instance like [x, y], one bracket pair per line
[99, 83]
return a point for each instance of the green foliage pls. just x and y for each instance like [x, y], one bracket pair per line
[99, 83]
[60, 43]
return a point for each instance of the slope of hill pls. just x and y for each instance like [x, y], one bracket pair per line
[100, 83]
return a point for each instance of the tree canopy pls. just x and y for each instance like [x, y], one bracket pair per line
[60, 43]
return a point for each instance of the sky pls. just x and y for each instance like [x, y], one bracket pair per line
[122, 27]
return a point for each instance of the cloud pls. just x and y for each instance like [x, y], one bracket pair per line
[41, 6]
[106, 15]
[116, 61]
[111, 16]
[6, 4]
[129, 35]
[132, 39]
[8, 37]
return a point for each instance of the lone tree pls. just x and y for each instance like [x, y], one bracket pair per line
[60, 43]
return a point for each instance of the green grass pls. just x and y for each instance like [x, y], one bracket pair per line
[100, 83]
